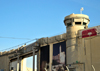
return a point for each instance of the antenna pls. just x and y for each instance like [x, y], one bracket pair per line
[81, 10]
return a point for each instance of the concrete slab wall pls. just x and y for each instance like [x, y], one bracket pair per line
[89, 52]
[95, 52]
[4, 63]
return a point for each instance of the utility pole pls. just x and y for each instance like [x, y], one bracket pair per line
[33, 59]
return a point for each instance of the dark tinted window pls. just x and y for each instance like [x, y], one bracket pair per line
[84, 27]
[69, 24]
[78, 23]
[84, 23]
[12, 68]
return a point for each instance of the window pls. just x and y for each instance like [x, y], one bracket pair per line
[84, 23]
[77, 23]
[84, 27]
[69, 24]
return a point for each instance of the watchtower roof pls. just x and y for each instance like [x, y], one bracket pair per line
[77, 16]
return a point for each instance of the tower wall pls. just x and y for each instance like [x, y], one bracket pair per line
[74, 23]
[72, 49]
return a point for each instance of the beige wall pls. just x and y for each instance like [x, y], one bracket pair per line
[4, 63]
[89, 53]
[23, 65]
[94, 52]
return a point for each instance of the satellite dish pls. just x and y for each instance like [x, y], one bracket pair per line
[81, 10]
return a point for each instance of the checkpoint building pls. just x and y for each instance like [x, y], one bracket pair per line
[77, 50]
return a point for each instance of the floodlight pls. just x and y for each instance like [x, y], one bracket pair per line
[81, 10]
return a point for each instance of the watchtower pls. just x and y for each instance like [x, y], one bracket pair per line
[73, 23]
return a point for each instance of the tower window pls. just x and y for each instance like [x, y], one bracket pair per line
[84, 27]
[77, 23]
[69, 24]
[84, 23]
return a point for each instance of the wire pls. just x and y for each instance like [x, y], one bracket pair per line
[18, 45]
[15, 38]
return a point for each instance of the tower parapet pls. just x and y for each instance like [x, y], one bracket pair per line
[76, 20]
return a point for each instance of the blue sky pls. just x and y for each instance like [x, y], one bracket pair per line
[40, 18]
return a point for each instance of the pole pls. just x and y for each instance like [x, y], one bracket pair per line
[67, 68]
[45, 69]
[18, 63]
[93, 67]
[33, 59]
